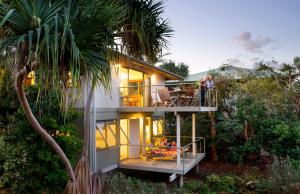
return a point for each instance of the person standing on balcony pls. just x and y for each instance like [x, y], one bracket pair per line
[203, 88]
[210, 82]
[210, 85]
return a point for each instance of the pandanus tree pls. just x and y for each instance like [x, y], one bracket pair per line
[144, 32]
[73, 39]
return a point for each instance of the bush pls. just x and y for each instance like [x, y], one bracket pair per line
[281, 137]
[221, 183]
[284, 177]
[119, 183]
[196, 187]
[29, 165]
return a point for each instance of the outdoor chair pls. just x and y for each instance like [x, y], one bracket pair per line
[166, 99]
[196, 98]
[188, 96]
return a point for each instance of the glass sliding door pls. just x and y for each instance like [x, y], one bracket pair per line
[136, 87]
[124, 141]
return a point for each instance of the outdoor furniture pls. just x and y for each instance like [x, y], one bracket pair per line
[127, 100]
[188, 96]
[196, 98]
[166, 99]
[177, 94]
[132, 100]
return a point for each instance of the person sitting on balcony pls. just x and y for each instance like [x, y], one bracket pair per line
[164, 142]
[203, 89]
[174, 146]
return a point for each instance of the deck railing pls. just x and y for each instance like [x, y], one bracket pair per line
[144, 154]
[168, 95]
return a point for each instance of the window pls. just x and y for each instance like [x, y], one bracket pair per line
[147, 130]
[157, 127]
[131, 87]
[124, 141]
[106, 135]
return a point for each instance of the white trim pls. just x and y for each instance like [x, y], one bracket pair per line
[172, 177]
[109, 168]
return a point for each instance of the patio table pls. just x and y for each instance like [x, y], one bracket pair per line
[177, 93]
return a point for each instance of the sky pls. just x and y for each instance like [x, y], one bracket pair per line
[209, 33]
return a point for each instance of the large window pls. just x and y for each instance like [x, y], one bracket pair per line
[106, 135]
[131, 87]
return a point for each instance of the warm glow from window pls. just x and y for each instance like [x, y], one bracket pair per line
[30, 80]
[69, 80]
[157, 127]
[124, 138]
[124, 76]
[153, 77]
[147, 130]
[105, 135]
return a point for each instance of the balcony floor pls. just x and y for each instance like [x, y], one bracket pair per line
[163, 166]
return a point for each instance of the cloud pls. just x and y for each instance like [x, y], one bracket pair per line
[256, 59]
[254, 44]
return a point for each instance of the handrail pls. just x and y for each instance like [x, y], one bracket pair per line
[167, 84]
[151, 97]
[187, 156]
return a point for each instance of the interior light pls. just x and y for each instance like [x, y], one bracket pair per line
[124, 76]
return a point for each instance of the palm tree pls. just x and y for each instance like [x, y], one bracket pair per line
[56, 38]
[144, 31]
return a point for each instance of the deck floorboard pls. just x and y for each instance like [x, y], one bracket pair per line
[162, 166]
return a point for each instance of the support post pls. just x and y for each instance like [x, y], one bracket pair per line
[181, 180]
[178, 137]
[197, 169]
[194, 133]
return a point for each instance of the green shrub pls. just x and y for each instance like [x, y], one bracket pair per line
[221, 183]
[29, 164]
[196, 186]
[284, 177]
[119, 183]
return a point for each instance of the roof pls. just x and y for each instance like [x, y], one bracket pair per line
[235, 72]
[140, 65]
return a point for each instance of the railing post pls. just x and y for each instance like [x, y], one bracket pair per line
[194, 133]
[178, 137]
[156, 96]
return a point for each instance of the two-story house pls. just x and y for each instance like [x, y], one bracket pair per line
[127, 123]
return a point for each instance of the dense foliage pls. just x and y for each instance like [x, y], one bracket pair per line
[259, 112]
[27, 163]
[181, 69]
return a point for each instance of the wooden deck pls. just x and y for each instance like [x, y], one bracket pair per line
[163, 166]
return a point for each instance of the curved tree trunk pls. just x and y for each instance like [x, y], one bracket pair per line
[87, 117]
[21, 75]
[83, 172]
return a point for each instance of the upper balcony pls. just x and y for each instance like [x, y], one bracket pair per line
[178, 97]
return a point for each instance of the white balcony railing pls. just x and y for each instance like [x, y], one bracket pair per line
[165, 157]
[168, 95]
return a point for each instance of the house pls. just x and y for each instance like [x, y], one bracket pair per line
[127, 123]
[224, 70]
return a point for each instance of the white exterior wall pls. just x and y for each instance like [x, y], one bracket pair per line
[110, 99]
[156, 80]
